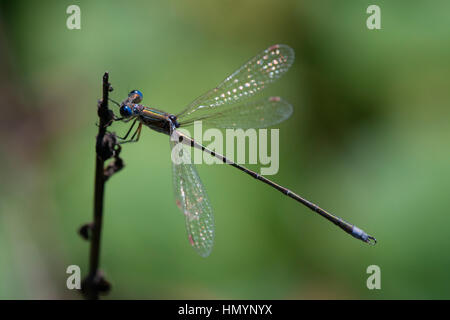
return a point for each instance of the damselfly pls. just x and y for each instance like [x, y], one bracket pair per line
[219, 107]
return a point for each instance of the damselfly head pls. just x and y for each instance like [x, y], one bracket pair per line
[135, 96]
[130, 107]
[125, 111]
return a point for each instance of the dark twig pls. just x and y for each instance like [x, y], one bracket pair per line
[106, 147]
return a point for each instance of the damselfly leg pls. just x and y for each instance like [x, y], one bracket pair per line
[136, 135]
[128, 132]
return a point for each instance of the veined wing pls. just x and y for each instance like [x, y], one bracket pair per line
[191, 198]
[248, 80]
[254, 114]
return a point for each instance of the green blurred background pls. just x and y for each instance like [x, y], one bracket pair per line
[368, 141]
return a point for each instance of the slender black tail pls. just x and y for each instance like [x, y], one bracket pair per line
[344, 225]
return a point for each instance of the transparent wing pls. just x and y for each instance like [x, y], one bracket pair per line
[255, 114]
[191, 198]
[248, 80]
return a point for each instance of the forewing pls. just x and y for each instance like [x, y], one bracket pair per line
[255, 114]
[192, 199]
[248, 80]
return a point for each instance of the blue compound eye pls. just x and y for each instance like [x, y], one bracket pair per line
[137, 96]
[125, 111]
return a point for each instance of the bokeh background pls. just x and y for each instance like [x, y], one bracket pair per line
[368, 141]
